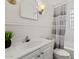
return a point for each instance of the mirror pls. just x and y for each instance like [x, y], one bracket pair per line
[28, 9]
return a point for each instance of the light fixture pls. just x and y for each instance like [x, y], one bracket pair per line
[41, 8]
[13, 2]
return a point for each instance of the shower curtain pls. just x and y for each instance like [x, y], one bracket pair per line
[59, 26]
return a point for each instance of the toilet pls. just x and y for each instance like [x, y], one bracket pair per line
[61, 54]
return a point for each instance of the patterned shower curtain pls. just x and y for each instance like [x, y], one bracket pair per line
[59, 26]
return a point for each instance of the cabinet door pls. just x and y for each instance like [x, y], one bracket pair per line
[47, 53]
[34, 55]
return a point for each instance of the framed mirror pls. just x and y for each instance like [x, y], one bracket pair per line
[28, 9]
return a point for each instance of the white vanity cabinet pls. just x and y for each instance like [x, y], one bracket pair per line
[45, 52]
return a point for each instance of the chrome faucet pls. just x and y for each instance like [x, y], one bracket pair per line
[27, 39]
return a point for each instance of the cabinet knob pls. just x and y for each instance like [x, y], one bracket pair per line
[38, 56]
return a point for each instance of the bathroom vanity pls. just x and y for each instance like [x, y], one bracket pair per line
[35, 49]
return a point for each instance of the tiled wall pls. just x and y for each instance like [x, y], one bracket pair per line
[23, 27]
[21, 31]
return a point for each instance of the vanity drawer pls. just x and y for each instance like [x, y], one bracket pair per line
[47, 46]
[32, 55]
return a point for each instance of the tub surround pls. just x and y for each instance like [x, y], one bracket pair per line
[21, 49]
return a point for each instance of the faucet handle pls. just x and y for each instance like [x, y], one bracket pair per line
[27, 39]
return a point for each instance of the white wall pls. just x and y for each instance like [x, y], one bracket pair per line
[23, 27]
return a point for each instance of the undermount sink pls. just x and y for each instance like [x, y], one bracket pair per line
[30, 44]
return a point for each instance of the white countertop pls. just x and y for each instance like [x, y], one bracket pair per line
[15, 52]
